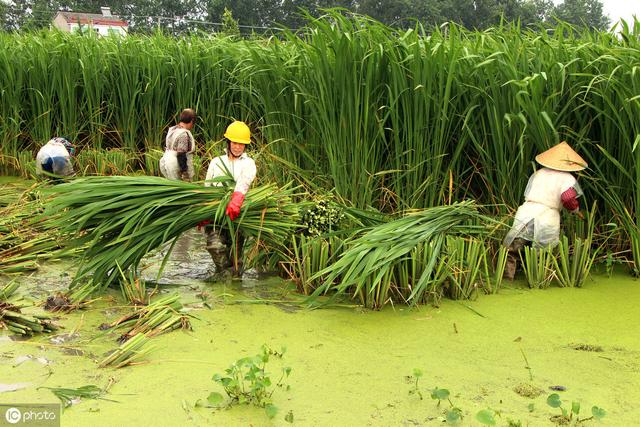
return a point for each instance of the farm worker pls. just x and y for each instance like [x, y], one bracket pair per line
[177, 161]
[549, 189]
[55, 158]
[243, 169]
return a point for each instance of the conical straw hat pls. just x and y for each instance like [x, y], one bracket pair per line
[561, 158]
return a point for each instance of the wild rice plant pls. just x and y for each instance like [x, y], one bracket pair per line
[120, 219]
[134, 288]
[538, 266]
[152, 161]
[466, 261]
[308, 256]
[26, 164]
[365, 265]
[494, 269]
[574, 261]
[411, 268]
[105, 162]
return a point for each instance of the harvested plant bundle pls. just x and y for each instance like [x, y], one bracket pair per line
[129, 353]
[162, 315]
[24, 241]
[369, 261]
[69, 396]
[120, 219]
[14, 320]
[72, 299]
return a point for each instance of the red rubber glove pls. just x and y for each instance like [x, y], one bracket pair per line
[202, 224]
[233, 208]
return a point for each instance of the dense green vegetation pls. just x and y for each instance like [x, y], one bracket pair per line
[379, 118]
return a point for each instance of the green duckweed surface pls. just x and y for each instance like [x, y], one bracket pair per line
[349, 366]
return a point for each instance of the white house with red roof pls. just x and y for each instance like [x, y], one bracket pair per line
[103, 23]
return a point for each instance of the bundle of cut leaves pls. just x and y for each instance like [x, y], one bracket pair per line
[161, 315]
[120, 219]
[24, 241]
[69, 396]
[131, 352]
[12, 318]
[368, 261]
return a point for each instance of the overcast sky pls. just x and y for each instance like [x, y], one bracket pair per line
[617, 9]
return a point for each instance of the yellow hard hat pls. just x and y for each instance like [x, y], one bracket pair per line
[238, 132]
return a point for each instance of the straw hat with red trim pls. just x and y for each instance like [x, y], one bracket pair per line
[562, 158]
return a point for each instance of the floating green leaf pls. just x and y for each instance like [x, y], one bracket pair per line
[598, 413]
[554, 400]
[486, 417]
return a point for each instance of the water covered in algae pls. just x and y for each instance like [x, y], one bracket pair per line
[349, 366]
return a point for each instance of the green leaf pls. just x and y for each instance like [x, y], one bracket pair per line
[215, 398]
[531, 407]
[598, 413]
[486, 417]
[454, 416]
[271, 410]
[417, 372]
[440, 394]
[575, 407]
[554, 400]
[289, 417]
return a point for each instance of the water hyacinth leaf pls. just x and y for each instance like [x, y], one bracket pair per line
[454, 416]
[440, 394]
[554, 400]
[486, 417]
[271, 410]
[598, 413]
[575, 407]
[215, 398]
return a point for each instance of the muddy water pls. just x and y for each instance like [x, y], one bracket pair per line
[348, 365]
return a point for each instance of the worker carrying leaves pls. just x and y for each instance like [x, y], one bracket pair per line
[54, 158]
[177, 161]
[549, 189]
[226, 250]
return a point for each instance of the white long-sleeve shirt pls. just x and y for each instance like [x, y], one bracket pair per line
[243, 170]
[55, 153]
[538, 219]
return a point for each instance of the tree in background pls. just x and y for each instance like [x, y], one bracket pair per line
[229, 24]
[177, 17]
[583, 13]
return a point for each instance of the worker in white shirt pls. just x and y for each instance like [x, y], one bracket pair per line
[54, 158]
[550, 188]
[177, 160]
[237, 163]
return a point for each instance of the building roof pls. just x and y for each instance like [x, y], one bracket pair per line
[93, 18]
